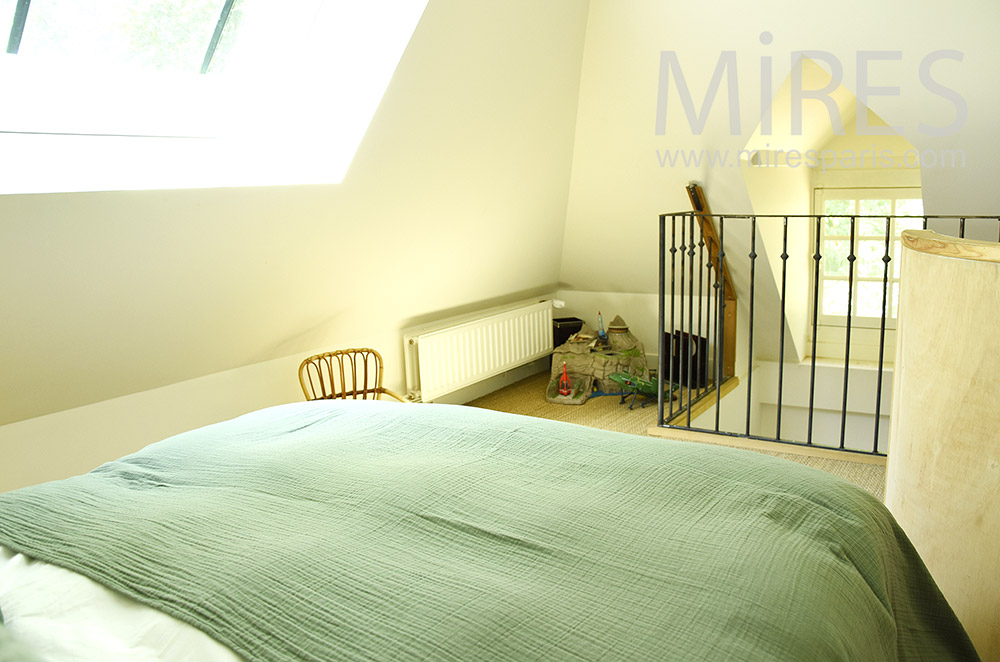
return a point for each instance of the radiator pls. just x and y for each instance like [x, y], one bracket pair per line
[453, 353]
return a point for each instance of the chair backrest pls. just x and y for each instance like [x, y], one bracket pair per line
[344, 373]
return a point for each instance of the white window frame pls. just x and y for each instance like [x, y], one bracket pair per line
[822, 195]
[831, 330]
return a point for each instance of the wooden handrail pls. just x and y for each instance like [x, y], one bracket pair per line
[706, 222]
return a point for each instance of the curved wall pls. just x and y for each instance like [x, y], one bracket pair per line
[943, 472]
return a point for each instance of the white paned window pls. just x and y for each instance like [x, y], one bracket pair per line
[875, 214]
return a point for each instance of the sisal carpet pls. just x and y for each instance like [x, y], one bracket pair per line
[527, 397]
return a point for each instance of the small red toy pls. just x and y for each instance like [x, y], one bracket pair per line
[565, 387]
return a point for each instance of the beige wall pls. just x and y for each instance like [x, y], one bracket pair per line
[781, 191]
[457, 195]
[618, 184]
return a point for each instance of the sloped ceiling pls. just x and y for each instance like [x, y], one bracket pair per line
[456, 195]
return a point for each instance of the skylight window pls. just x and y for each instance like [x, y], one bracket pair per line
[135, 94]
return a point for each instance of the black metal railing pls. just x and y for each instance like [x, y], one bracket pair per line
[698, 316]
[697, 307]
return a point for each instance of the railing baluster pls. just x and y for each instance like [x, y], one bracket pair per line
[673, 301]
[847, 341]
[886, 259]
[690, 354]
[676, 337]
[817, 256]
[722, 317]
[661, 316]
[961, 228]
[753, 273]
[712, 305]
[781, 326]
[701, 292]
[712, 300]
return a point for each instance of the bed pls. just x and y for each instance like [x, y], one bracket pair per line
[350, 530]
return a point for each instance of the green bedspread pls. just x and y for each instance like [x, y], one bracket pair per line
[380, 531]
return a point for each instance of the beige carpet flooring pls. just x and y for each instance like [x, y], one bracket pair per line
[527, 397]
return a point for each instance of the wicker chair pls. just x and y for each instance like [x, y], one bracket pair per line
[344, 373]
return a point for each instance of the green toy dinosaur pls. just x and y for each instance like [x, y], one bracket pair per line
[634, 386]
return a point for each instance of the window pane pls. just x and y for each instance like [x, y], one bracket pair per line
[834, 300]
[838, 207]
[298, 122]
[323, 30]
[871, 227]
[875, 207]
[869, 299]
[227, 40]
[835, 253]
[165, 35]
[870, 255]
[910, 207]
[837, 225]
[870, 248]
[7, 8]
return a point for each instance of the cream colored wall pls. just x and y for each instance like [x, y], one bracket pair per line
[901, 173]
[782, 191]
[456, 196]
[639, 310]
[618, 185]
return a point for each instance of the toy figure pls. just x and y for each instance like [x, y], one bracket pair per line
[565, 387]
[633, 386]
